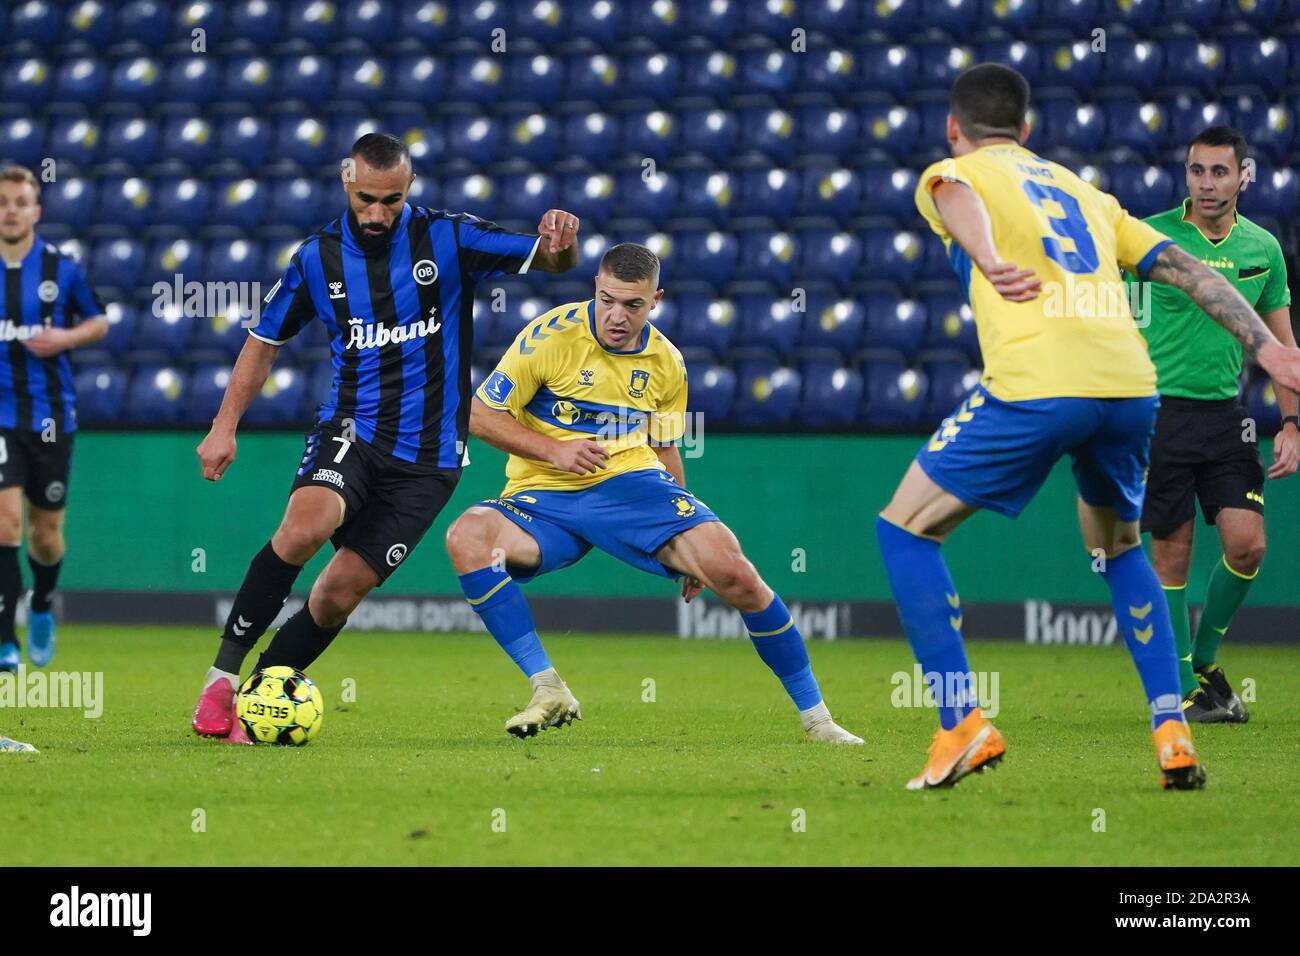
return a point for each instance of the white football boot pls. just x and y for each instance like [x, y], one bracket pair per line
[819, 726]
[553, 705]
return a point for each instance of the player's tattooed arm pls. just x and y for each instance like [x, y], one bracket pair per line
[498, 428]
[1221, 302]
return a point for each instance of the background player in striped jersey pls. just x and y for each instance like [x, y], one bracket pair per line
[590, 402]
[1057, 381]
[1202, 447]
[46, 309]
[394, 286]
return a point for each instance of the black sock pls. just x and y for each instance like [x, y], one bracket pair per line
[45, 577]
[260, 597]
[11, 588]
[298, 642]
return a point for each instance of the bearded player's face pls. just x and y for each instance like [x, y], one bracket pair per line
[623, 308]
[376, 195]
[19, 211]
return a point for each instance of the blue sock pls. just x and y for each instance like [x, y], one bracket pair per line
[496, 598]
[930, 611]
[780, 645]
[1143, 619]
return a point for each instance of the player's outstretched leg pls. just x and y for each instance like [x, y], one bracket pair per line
[930, 611]
[312, 515]
[710, 553]
[1143, 619]
[481, 543]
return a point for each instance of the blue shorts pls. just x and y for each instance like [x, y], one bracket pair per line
[996, 454]
[630, 516]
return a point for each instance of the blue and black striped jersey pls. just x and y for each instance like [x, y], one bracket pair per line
[47, 289]
[400, 323]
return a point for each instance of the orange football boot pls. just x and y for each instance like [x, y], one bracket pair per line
[968, 748]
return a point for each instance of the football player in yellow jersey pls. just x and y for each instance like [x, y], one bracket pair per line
[590, 402]
[1066, 372]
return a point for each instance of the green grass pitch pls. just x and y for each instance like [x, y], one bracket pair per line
[714, 771]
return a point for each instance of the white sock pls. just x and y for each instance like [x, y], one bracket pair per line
[215, 675]
[548, 677]
[817, 714]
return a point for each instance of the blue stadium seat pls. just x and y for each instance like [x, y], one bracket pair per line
[142, 19]
[532, 136]
[591, 76]
[718, 21]
[137, 80]
[344, 126]
[473, 193]
[1069, 63]
[68, 201]
[1276, 193]
[298, 201]
[168, 258]
[544, 21]
[589, 196]
[373, 22]
[243, 138]
[191, 79]
[1268, 128]
[302, 140]
[829, 70]
[117, 263]
[1184, 117]
[476, 78]
[707, 255]
[765, 394]
[829, 256]
[80, 79]
[832, 395]
[163, 328]
[1076, 16]
[1022, 56]
[1190, 61]
[253, 20]
[26, 79]
[155, 396]
[132, 139]
[940, 64]
[1262, 406]
[932, 119]
[898, 325]
[832, 193]
[236, 260]
[711, 393]
[1199, 15]
[1134, 64]
[891, 254]
[652, 133]
[952, 324]
[889, 67]
[764, 191]
[653, 74]
[652, 199]
[592, 136]
[206, 15]
[1138, 15]
[767, 256]
[310, 78]
[121, 320]
[1066, 124]
[535, 78]
[1142, 190]
[827, 132]
[895, 396]
[1016, 17]
[768, 322]
[223, 332]
[526, 196]
[890, 127]
[890, 191]
[1263, 15]
[713, 133]
[281, 399]
[474, 137]
[238, 202]
[248, 79]
[709, 72]
[772, 20]
[770, 132]
[835, 18]
[317, 23]
[705, 193]
[362, 78]
[1260, 62]
[706, 323]
[950, 380]
[898, 18]
[188, 138]
[101, 392]
[593, 20]
[207, 387]
[124, 201]
[1133, 124]
[665, 318]
[838, 324]
[37, 22]
[20, 140]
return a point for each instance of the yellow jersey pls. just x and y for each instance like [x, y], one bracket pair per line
[557, 379]
[1077, 339]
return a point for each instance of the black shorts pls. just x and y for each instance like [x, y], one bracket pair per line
[390, 503]
[40, 467]
[1200, 450]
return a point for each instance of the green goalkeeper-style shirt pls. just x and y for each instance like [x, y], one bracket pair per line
[1195, 357]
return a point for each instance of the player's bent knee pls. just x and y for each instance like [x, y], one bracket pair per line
[1246, 558]
[471, 539]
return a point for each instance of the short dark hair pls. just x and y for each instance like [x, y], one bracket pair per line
[989, 99]
[630, 262]
[1222, 136]
[380, 150]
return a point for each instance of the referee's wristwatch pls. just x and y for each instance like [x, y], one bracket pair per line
[1292, 419]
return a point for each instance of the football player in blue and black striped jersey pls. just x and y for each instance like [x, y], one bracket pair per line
[394, 286]
[46, 308]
